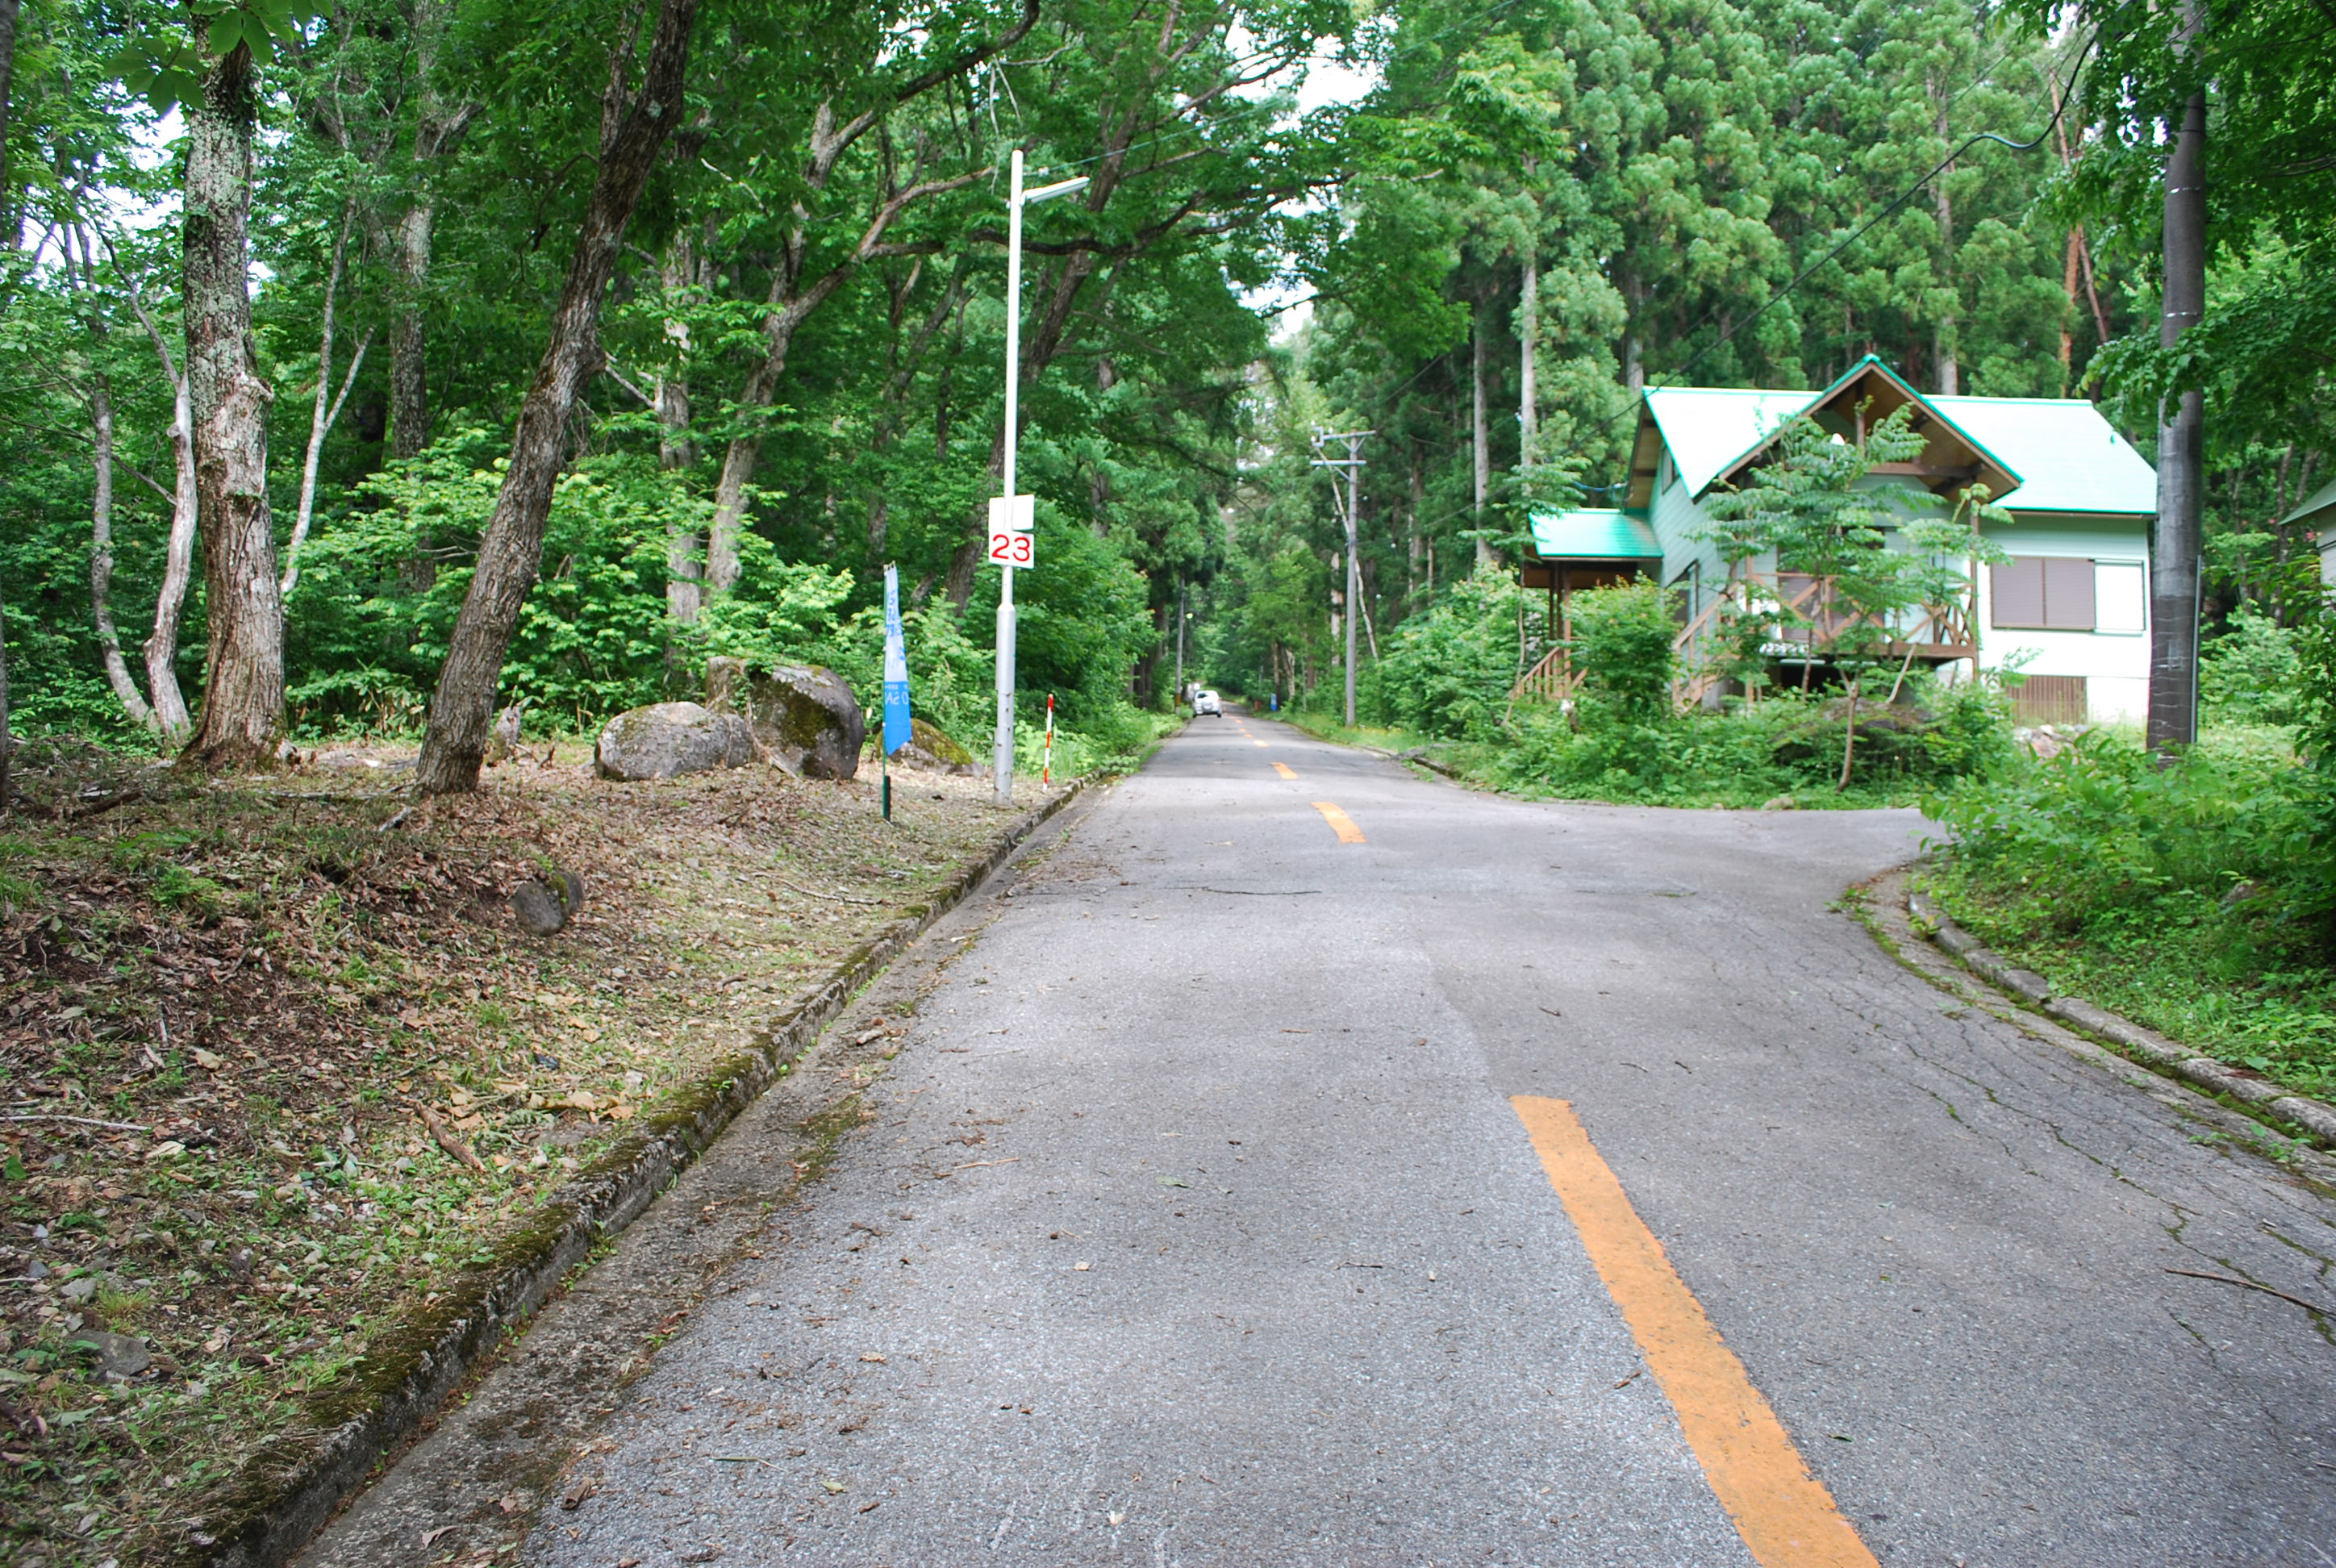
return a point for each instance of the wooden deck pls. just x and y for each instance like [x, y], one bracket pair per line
[1932, 634]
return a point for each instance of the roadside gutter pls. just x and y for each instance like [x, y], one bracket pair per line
[289, 1487]
[2250, 1106]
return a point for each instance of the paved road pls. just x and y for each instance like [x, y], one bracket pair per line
[1201, 1223]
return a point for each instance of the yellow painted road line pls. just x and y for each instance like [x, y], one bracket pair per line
[1284, 769]
[1784, 1515]
[1340, 823]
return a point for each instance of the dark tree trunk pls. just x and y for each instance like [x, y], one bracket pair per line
[2174, 542]
[437, 130]
[243, 694]
[510, 553]
[409, 377]
[8, 224]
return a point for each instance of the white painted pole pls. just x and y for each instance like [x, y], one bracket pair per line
[1002, 742]
[1353, 568]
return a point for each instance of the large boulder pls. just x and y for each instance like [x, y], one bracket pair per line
[803, 716]
[668, 738]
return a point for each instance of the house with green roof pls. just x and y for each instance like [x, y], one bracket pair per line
[2069, 609]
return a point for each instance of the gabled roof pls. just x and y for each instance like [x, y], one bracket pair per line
[1709, 429]
[2034, 453]
[2070, 458]
[1593, 534]
[2320, 508]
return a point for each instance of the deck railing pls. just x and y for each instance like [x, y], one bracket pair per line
[1802, 607]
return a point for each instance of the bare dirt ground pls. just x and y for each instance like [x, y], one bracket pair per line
[275, 1061]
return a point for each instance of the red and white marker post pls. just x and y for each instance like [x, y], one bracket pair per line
[1046, 764]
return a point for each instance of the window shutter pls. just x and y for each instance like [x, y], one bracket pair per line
[2016, 590]
[2068, 594]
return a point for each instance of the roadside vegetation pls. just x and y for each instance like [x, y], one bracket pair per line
[2197, 896]
[278, 1063]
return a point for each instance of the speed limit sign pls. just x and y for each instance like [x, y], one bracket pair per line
[1008, 547]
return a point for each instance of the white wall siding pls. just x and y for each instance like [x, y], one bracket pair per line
[2114, 659]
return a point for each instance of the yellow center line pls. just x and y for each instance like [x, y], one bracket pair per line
[1284, 769]
[1340, 823]
[1785, 1515]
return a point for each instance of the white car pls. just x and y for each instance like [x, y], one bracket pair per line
[1207, 702]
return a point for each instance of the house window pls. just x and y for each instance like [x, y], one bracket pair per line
[2121, 597]
[2043, 592]
[1663, 471]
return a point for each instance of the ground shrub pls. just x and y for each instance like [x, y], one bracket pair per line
[2251, 673]
[1447, 673]
[1623, 638]
[2196, 895]
[1787, 744]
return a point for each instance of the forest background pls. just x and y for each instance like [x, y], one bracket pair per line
[1531, 209]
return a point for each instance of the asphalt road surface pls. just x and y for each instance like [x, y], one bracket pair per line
[1314, 1164]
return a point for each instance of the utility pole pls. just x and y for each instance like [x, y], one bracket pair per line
[1350, 509]
[1001, 757]
[2174, 542]
[1180, 639]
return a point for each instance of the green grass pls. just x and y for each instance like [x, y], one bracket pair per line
[2196, 898]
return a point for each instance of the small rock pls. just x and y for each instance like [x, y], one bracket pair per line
[118, 1354]
[668, 738]
[568, 886]
[933, 751]
[80, 1290]
[503, 739]
[539, 910]
[1780, 803]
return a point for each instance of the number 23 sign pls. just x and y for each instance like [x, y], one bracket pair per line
[1009, 547]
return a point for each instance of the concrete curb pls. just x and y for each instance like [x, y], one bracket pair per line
[293, 1485]
[2145, 1045]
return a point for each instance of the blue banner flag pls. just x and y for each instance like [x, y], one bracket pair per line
[897, 732]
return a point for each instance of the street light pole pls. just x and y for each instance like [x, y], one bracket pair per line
[1353, 464]
[1002, 740]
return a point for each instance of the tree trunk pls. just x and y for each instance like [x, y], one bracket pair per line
[161, 648]
[2068, 323]
[1482, 435]
[1942, 332]
[243, 692]
[8, 224]
[1411, 599]
[80, 267]
[328, 409]
[685, 547]
[409, 375]
[2175, 542]
[1528, 335]
[510, 553]
[437, 128]
[101, 560]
